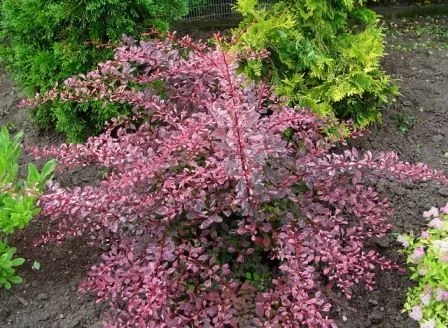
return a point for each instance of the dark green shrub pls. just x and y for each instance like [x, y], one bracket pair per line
[17, 201]
[45, 41]
[323, 54]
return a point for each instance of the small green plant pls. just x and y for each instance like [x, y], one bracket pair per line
[36, 265]
[7, 265]
[404, 122]
[324, 55]
[17, 201]
[427, 257]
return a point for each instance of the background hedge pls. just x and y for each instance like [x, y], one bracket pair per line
[45, 41]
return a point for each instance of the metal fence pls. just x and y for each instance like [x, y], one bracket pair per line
[212, 10]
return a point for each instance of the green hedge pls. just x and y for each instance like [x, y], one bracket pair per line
[46, 41]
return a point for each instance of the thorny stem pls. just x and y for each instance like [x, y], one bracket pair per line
[237, 128]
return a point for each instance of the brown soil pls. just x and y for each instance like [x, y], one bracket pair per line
[49, 298]
[423, 80]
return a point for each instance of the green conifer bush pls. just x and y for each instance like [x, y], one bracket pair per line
[45, 41]
[322, 54]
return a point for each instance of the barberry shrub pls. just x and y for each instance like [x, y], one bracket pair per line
[46, 41]
[222, 207]
[324, 55]
[427, 257]
[17, 201]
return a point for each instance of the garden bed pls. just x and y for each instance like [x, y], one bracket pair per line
[415, 126]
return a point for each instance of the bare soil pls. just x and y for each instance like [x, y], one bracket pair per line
[48, 298]
[423, 79]
[415, 126]
[423, 87]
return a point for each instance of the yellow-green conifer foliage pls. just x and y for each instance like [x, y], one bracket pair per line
[323, 54]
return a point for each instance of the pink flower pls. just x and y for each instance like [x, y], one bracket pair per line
[436, 223]
[418, 253]
[425, 235]
[444, 258]
[428, 324]
[426, 299]
[416, 313]
[441, 246]
[439, 294]
[403, 240]
[432, 212]
[423, 270]
[444, 209]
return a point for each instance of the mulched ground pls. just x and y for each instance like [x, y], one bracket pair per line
[415, 126]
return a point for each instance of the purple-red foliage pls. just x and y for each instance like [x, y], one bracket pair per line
[203, 178]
